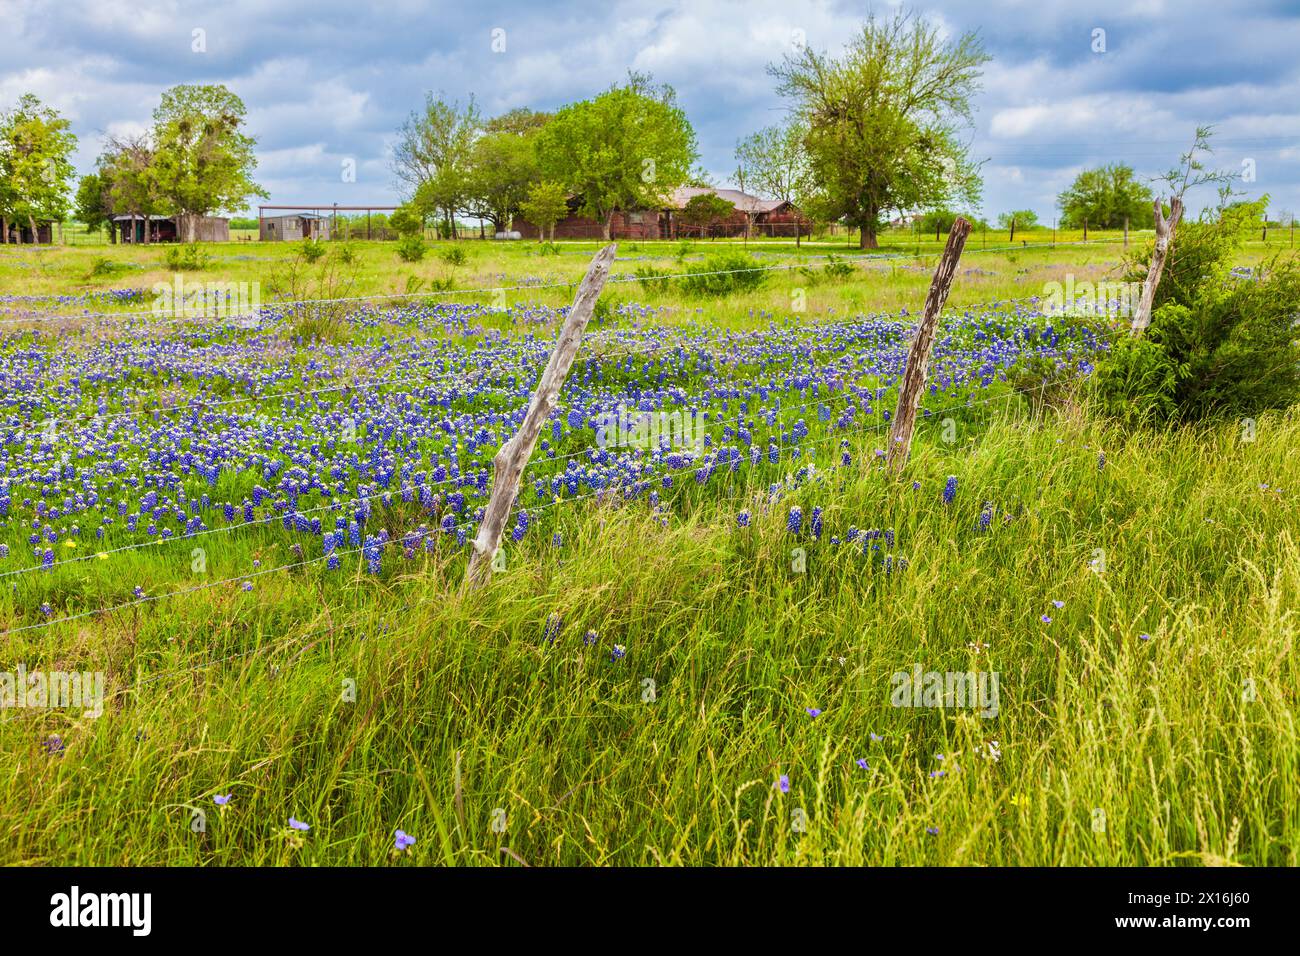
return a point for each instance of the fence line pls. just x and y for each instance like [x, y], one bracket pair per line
[352, 500]
[89, 416]
[619, 279]
[710, 463]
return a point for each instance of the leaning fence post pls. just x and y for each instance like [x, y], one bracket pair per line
[1164, 240]
[509, 462]
[918, 356]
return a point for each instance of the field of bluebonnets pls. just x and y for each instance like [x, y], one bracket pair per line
[256, 527]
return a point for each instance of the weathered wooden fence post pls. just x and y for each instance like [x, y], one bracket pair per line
[918, 356]
[1164, 239]
[509, 462]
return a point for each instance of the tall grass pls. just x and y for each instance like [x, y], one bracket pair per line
[495, 746]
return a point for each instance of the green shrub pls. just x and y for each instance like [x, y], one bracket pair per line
[1136, 382]
[838, 268]
[102, 267]
[411, 248]
[1218, 343]
[724, 274]
[312, 250]
[652, 279]
[187, 258]
[453, 256]
[548, 248]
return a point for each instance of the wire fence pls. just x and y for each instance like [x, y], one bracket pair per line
[162, 313]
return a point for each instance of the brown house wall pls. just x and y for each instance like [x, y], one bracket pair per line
[666, 224]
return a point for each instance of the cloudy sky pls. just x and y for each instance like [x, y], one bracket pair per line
[327, 82]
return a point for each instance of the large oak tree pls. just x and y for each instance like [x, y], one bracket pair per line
[202, 161]
[626, 149]
[884, 120]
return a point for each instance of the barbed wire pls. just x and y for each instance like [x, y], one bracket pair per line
[354, 500]
[406, 540]
[621, 278]
[205, 405]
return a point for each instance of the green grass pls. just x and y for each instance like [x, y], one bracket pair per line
[463, 715]
[462, 709]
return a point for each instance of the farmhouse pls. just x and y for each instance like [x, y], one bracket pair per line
[763, 217]
[298, 225]
[165, 228]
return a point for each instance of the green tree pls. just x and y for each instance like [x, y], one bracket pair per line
[546, 204]
[406, 220]
[883, 121]
[130, 179]
[502, 168]
[627, 148]
[704, 210]
[36, 146]
[1023, 219]
[773, 164]
[91, 205]
[431, 157]
[203, 161]
[1104, 197]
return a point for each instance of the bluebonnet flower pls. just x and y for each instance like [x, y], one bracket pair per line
[742, 519]
[795, 521]
[950, 489]
[618, 653]
[551, 630]
[815, 523]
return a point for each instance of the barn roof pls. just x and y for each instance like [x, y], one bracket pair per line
[742, 201]
[128, 218]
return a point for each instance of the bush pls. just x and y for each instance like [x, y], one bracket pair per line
[453, 256]
[652, 279]
[102, 267]
[838, 268]
[1218, 344]
[724, 274]
[312, 250]
[1136, 381]
[411, 248]
[548, 248]
[187, 258]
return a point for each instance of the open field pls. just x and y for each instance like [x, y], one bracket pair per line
[258, 534]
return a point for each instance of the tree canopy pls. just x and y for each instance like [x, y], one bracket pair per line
[627, 148]
[36, 145]
[202, 160]
[1104, 197]
[883, 121]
